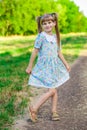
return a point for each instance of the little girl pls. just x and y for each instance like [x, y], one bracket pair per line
[51, 69]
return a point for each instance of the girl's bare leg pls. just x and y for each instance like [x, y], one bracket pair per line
[55, 115]
[44, 98]
[54, 101]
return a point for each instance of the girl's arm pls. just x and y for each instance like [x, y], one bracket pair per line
[63, 60]
[32, 58]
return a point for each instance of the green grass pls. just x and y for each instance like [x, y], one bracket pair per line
[14, 56]
[72, 45]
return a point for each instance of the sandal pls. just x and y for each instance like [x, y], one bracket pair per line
[33, 114]
[55, 116]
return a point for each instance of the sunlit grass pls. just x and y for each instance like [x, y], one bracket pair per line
[72, 46]
[14, 56]
[16, 47]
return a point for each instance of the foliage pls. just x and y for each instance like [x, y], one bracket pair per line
[18, 16]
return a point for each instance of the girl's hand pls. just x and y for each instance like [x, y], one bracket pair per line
[68, 68]
[29, 70]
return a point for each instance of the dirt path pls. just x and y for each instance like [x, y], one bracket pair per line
[72, 105]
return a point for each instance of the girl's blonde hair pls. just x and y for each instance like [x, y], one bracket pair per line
[47, 17]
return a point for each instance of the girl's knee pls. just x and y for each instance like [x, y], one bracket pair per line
[53, 91]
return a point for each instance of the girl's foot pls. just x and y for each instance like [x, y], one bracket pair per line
[33, 114]
[55, 116]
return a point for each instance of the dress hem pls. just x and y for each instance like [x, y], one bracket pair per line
[43, 86]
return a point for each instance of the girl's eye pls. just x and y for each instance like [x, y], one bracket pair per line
[44, 23]
[49, 22]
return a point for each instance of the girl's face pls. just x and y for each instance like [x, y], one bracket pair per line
[47, 26]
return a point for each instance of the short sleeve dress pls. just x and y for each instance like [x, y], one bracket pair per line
[49, 71]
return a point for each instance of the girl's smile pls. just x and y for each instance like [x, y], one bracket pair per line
[48, 26]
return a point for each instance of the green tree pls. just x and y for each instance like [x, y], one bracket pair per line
[18, 16]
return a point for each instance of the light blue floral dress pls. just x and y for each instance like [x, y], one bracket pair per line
[49, 71]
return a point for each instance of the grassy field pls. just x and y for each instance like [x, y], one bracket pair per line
[14, 56]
